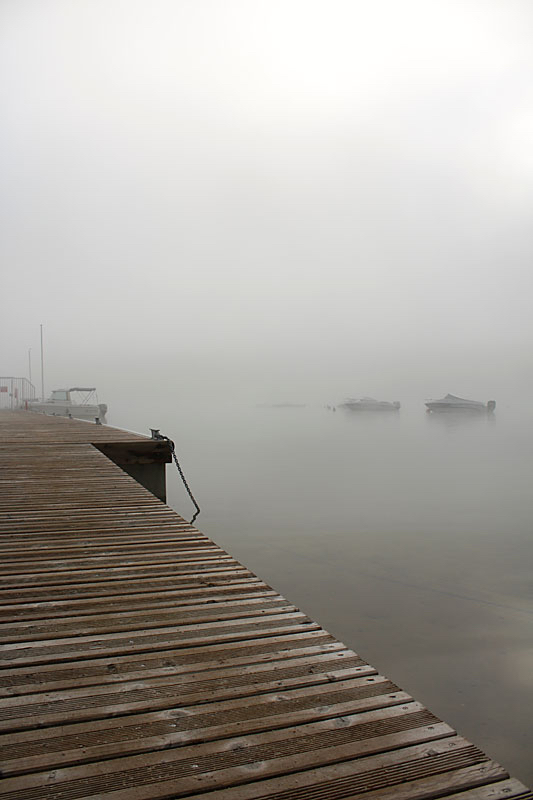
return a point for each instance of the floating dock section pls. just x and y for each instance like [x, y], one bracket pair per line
[139, 661]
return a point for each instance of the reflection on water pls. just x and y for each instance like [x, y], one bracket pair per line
[459, 418]
[407, 535]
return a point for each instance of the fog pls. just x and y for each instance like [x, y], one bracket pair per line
[210, 206]
[268, 197]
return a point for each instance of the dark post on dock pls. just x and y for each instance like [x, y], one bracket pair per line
[139, 661]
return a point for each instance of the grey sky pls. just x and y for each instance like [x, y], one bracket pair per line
[292, 178]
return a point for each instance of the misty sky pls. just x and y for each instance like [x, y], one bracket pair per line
[294, 195]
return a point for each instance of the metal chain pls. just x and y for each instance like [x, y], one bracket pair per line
[157, 435]
[177, 463]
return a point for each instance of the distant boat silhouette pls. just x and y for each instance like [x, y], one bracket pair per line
[370, 404]
[452, 403]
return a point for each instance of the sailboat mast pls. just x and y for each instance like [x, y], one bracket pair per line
[42, 364]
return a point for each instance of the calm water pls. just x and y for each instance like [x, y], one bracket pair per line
[408, 536]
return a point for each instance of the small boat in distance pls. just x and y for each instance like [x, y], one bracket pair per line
[453, 403]
[61, 403]
[369, 404]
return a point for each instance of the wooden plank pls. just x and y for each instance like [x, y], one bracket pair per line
[269, 698]
[369, 779]
[45, 677]
[411, 772]
[37, 653]
[36, 630]
[314, 743]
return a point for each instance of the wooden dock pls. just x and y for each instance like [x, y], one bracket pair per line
[139, 661]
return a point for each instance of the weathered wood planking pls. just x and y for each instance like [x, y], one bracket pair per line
[29, 428]
[139, 661]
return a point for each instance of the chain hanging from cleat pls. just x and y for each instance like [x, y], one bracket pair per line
[157, 435]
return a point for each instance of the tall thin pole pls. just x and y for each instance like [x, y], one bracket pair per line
[42, 364]
[29, 363]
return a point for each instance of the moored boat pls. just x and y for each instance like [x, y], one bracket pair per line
[61, 403]
[452, 403]
[370, 404]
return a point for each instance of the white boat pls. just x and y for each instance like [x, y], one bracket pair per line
[370, 404]
[61, 403]
[453, 403]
